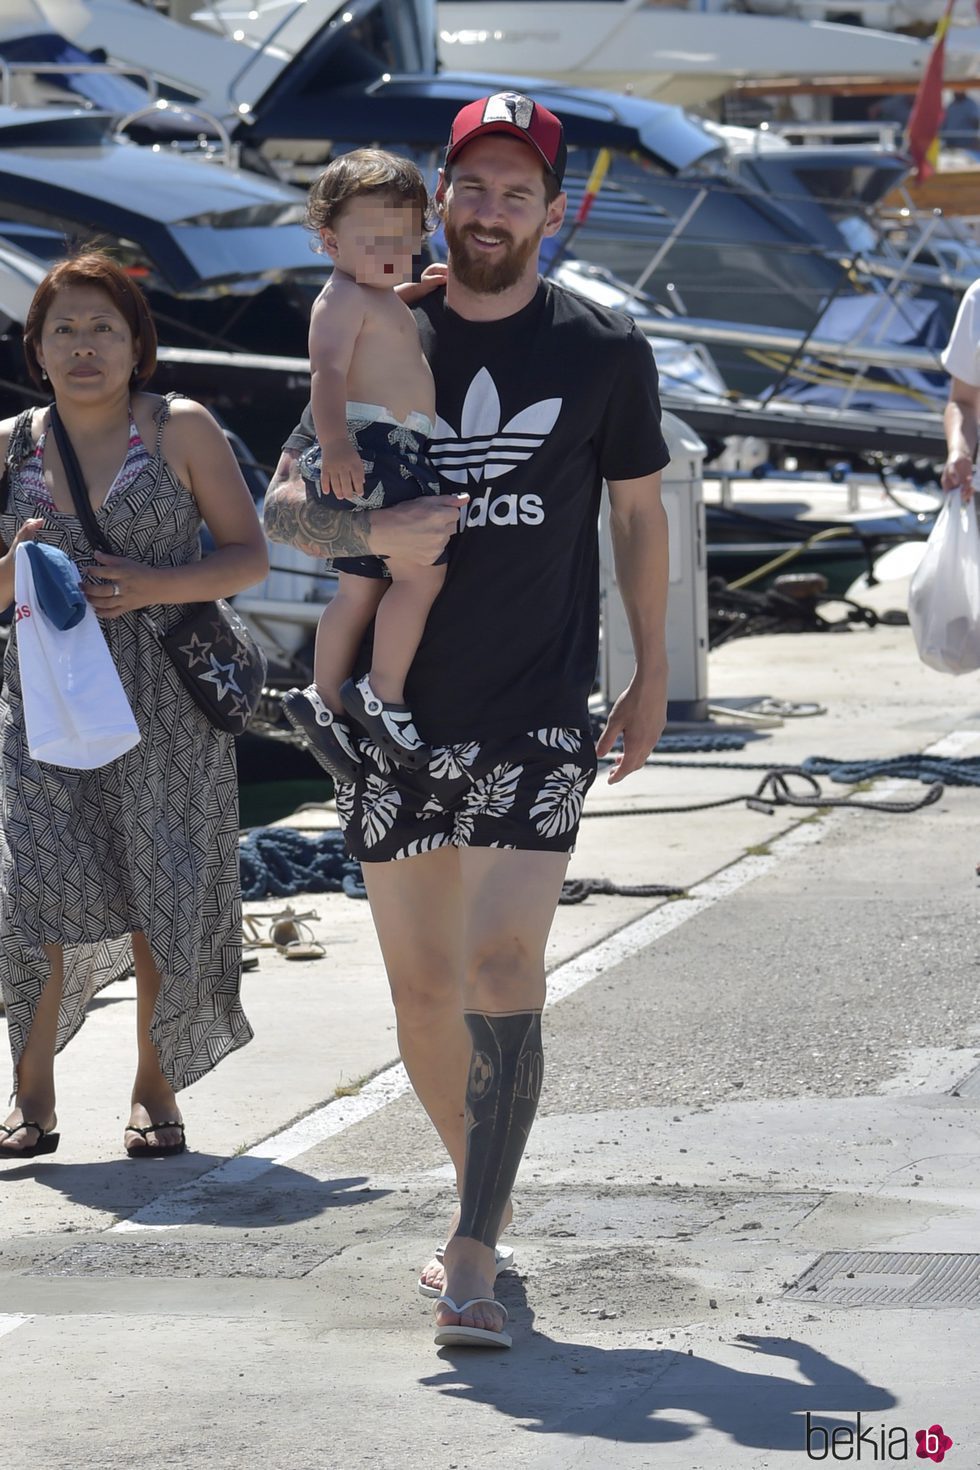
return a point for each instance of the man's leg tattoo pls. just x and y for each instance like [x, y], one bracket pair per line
[502, 1094]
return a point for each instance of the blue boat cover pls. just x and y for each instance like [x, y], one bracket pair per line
[880, 321]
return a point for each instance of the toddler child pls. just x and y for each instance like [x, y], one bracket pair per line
[373, 402]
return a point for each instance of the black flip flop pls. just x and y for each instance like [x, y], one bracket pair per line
[47, 1141]
[156, 1150]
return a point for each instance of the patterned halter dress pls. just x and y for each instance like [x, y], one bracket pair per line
[148, 843]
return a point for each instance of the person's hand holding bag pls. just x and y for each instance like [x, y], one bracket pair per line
[944, 594]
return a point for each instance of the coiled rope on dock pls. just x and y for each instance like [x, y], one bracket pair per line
[279, 862]
[950, 770]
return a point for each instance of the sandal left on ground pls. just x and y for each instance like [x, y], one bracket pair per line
[289, 933]
[301, 943]
[484, 1310]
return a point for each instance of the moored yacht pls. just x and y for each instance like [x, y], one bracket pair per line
[674, 51]
[229, 67]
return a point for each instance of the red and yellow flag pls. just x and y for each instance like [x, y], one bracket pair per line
[596, 178]
[927, 110]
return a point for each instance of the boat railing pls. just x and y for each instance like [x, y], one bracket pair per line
[684, 329]
[886, 134]
[229, 152]
[965, 227]
[851, 482]
[914, 274]
[10, 69]
[733, 334]
[954, 241]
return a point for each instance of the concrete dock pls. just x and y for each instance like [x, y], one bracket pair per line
[746, 1229]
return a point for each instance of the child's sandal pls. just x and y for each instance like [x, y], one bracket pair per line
[390, 726]
[330, 738]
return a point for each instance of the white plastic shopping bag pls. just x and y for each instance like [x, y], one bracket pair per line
[75, 709]
[944, 594]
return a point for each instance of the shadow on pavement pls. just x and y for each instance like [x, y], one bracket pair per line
[627, 1395]
[274, 1197]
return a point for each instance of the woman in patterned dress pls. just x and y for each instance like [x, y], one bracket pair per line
[136, 862]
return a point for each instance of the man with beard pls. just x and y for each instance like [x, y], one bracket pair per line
[541, 396]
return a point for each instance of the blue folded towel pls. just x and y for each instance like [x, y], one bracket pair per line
[56, 583]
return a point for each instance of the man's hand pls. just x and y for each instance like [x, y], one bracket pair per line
[639, 715]
[433, 277]
[418, 530]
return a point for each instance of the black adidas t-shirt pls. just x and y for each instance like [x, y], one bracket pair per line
[534, 412]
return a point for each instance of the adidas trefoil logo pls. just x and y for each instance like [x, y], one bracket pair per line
[482, 450]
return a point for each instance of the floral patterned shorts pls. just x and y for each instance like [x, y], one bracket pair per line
[523, 791]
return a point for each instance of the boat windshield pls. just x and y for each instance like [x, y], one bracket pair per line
[361, 39]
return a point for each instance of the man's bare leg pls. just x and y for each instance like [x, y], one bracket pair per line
[509, 902]
[35, 1071]
[417, 905]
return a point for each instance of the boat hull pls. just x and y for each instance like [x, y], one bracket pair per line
[670, 53]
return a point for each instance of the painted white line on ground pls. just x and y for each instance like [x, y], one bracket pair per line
[9, 1322]
[181, 1205]
[954, 743]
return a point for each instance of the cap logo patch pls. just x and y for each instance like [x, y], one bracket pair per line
[509, 107]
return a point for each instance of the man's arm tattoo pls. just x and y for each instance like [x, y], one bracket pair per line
[314, 525]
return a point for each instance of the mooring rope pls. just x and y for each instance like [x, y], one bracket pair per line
[280, 862]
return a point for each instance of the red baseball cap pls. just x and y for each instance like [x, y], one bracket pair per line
[513, 113]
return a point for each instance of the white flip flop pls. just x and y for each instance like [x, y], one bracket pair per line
[504, 1258]
[479, 1337]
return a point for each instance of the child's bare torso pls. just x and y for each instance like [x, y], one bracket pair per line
[387, 366]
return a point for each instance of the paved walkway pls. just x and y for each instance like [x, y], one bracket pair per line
[738, 1085]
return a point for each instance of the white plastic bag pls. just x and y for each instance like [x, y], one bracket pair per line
[75, 709]
[944, 594]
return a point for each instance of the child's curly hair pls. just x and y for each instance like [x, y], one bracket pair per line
[366, 171]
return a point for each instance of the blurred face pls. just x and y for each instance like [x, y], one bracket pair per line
[495, 213]
[373, 240]
[86, 347]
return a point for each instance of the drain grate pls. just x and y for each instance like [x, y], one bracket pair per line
[970, 1086]
[890, 1279]
[174, 1258]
